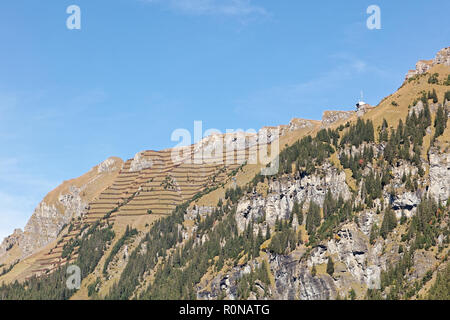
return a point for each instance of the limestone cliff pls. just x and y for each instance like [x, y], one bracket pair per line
[69, 200]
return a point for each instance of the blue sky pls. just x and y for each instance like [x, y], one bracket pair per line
[138, 69]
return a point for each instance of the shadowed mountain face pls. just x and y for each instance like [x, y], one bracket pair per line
[357, 207]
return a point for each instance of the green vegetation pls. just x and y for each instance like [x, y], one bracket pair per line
[92, 288]
[447, 81]
[119, 244]
[69, 247]
[330, 266]
[165, 265]
[52, 286]
[433, 95]
[440, 123]
[298, 211]
[389, 223]
[285, 239]
[8, 269]
[441, 287]
[407, 137]
[359, 133]
[433, 79]
[246, 283]
[307, 153]
[233, 194]
[313, 217]
[422, 233]
[447, 96]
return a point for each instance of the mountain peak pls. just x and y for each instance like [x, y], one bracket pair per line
[422, 66]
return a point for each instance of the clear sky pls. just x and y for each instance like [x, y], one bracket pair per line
[138, 69]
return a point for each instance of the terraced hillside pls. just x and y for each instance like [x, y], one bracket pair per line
[358, 209]
[153, 183]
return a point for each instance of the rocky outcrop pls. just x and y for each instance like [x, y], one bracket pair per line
[140, 162]
[297, 123]
[43, 227]
[69, 200]
[109, 165]
[10, 241]
[293, 280]
[351, 248]
[48, 219]
[443, 57]
[284, 192]
[74, 204]
[356, 264]
[417, 108]
[330, 117]
[362, 110]
[405, 201]
[423, 261]
[439, 174]
[226, 283]
[422, 66]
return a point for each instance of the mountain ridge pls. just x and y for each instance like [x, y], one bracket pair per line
[127, 197]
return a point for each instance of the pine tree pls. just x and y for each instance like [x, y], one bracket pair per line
[440, 123]
[447, 95]
[330, 266]
[267, 232]
[434, 96]
[313, 217]
[388, 224]
[296, 209]
[373, 233]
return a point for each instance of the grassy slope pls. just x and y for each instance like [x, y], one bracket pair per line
[404, 97]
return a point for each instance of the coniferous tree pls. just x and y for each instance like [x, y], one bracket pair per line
[297, 210]
[313, 217]
[388, 224]
[440, 123]
[330, 266]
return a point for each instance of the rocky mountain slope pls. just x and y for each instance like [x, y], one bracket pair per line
[67, 201]
[359, 209]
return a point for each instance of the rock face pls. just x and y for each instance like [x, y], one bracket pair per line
[422, 66]
[294, 124]
[10, 241]
[417, 108]
[225, 283]
[351, 248]
[107, 166]
[439, 174]
[405, 201]
[282, 195]
[140, 162]
[293, 280]
[48, 220]
[43, 226]
[69, 200]
[443, 57]
[297, 124]
[356, 264]
[362, 110]
[330, 117]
